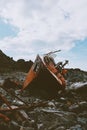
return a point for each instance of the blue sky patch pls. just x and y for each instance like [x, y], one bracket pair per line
[81, 47]
[7, 30]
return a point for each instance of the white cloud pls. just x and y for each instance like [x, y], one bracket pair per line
[54, 23]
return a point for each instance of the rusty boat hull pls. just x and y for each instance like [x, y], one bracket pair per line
[40, 81]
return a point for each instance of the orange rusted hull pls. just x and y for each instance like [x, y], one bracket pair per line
[44, 77]
[30, 77]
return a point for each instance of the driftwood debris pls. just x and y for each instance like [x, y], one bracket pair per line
[11, 109]
[24, 107]
[4, 117]
[5, 101]
[13, 95]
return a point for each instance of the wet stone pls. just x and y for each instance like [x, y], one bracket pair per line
[76, 127]
[60, 128]
[74, 107]
[21, 116]
[29, 123]
[14, 125]
[4, 126]
[67, 112]
[26, 128]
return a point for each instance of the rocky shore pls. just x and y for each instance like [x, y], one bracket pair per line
[68, 111]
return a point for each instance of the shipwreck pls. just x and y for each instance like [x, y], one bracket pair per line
[45, 77]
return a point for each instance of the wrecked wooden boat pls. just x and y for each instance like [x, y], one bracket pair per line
[45, 78]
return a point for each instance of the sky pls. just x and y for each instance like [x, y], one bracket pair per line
[31, 27]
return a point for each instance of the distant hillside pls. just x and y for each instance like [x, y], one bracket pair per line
[76, 75]
[8, 64]
[5, 61]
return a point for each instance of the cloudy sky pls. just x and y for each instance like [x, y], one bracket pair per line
[28, 27]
